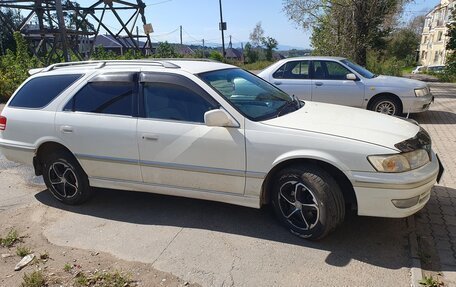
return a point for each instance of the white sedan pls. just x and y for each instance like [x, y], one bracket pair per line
[215, 132]
[338, 81]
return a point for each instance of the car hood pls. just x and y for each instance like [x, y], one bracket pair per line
[391, 81]
[353, 123]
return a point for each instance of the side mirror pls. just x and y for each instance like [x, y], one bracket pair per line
[219, 118]
[351, 77]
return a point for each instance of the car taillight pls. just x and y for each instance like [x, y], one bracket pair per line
[2, 123]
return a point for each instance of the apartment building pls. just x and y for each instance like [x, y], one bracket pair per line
[433, 37]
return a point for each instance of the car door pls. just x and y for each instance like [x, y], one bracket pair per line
[176, 148]
[293, 78]
[98, 125]
[330, 84]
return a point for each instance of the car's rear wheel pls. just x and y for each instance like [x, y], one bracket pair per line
[387, 105]
[65, 178]
[308, 201]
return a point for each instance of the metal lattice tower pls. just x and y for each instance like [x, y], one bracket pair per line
[51, 37]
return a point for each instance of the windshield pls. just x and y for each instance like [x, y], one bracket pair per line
[360, 70]
[253, 97]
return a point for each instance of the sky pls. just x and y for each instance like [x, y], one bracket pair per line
[200, 18]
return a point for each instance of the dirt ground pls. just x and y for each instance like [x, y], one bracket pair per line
[29, 221]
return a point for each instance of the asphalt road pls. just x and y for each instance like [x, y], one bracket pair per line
[214, 244]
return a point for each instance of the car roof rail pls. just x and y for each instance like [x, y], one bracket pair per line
[101, 63]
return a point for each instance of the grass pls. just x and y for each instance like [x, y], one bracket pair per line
[11, 238]
[430, 282]
[67, 267]
[103, 279]
[23, 251]
[260, 65]
[35, 279]
[407, 70]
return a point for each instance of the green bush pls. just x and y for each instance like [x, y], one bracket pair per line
[14, 67]
[381, 65]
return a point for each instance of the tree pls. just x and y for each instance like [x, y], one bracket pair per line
[251, 56]
[451, 46]
[215, 55]
[270, 44]
[345, 27]
[257, 35]
[7, 41]
[165, 50]
[403, 43]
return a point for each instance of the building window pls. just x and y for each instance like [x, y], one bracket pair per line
[439, 37]
[436, 56]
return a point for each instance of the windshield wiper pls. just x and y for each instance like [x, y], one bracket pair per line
[294, 102]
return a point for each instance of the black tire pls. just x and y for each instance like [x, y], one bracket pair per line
[308, 201]
[387, 105]
[65, 178]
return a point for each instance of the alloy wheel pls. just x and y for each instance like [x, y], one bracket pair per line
[386, 107]
[63, 179]
[298, 205]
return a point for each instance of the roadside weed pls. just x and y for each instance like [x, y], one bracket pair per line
[22, 251]
[11, 238]
[104, 279]
[67, 267]
[431, 282]
[35, 279]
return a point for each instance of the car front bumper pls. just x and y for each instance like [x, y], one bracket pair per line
[417, 104]
[395, 194]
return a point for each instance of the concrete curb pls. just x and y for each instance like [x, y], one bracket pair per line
[415, 270]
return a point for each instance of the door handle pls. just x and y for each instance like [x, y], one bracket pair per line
[150, 137]
[277, 83]
[319, 84]
[66, 129]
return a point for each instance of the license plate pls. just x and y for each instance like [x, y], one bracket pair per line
[441, 169]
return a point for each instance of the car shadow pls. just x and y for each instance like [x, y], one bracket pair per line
[435, 117]
[376, 241]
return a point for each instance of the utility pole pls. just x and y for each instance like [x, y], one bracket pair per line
[181, 33]
[222, 28]
[204, 50]
[62, 28]
[137, 38]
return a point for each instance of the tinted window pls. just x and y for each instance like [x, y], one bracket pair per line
[174, 102]
[104, 98]
[336, 71]
[363, 71]
[39, 92]
[327, 70]
[293, 70]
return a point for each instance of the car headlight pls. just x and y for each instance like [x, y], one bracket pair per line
[421, 92]
[399, 162]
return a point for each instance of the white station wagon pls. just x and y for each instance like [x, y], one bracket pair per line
[216, 132]
[336, 80]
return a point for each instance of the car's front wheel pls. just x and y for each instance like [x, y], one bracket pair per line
[65, 178]
[308, 201]
[387, 105]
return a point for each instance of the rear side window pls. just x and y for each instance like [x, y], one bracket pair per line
[115, 98]
[293, 70]
[39, 92]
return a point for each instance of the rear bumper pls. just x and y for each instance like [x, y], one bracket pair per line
[17, 152]
[379, 194]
